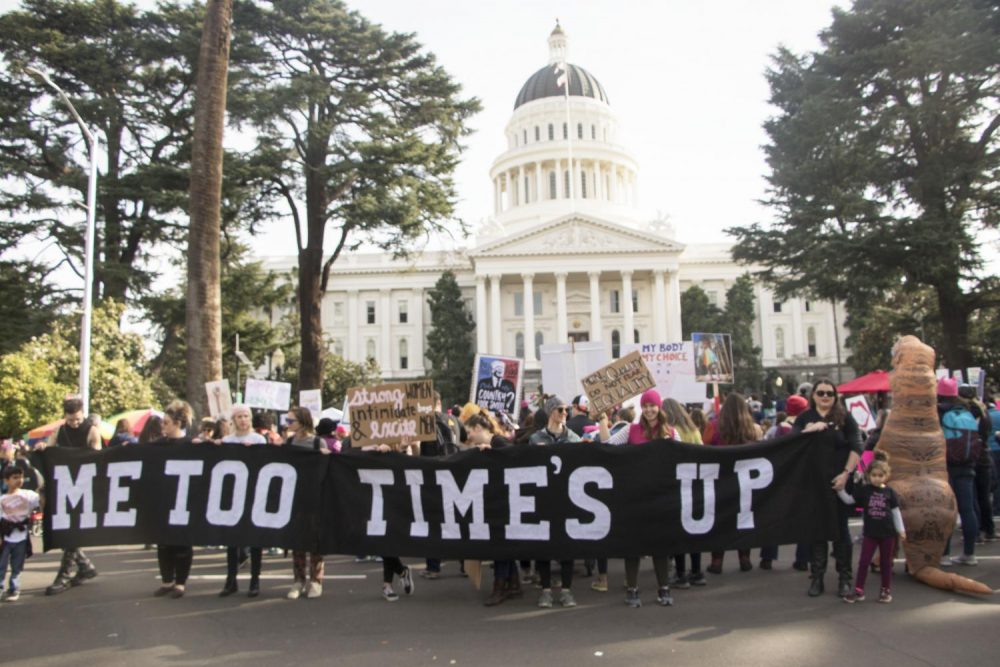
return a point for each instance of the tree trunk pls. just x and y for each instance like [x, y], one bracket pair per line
[955, 326]
[311, 269]
[203, 311]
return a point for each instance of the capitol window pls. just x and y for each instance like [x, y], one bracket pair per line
[404, 357]
[552, 133]
[579, 130]
[616, 344]
[403, 314]
[583, 185]
[616, 306]
[566, 183]
[538, 134]
[593, 132]
[525, 137]
[811, 341]
[777, 306]
[565, 131]
[527, 190]
[552, 185]
[779, 343]
[519, 345]
[370, 310]
[370, 349]
[539, 341]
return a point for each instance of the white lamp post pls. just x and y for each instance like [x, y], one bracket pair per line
[88, 240]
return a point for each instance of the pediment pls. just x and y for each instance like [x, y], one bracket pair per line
[577, 234]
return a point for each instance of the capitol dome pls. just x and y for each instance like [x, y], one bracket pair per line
[543, 83]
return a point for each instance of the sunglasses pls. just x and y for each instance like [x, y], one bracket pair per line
[824, 394]
[562, 409]
[291, 421]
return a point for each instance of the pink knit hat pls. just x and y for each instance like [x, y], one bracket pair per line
[651, 397]
[947, 387]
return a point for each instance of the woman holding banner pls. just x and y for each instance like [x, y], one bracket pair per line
[174, 561]
[688, 433]
[653, 425]
[302, 435]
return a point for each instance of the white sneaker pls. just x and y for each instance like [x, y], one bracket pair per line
[298, 588]
[947, 561]
[965, 559]
[314, 590]
[13, 596]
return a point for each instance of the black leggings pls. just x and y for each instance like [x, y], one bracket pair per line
[661, 565]
[391, 565]
[175, 563]
[233, 562]
[695, 563]
[544, 569]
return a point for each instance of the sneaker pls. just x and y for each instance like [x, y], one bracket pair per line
[430, 574]
[965, 559]
[13, 596]
[884, 596]
[857, 595]
[766, 564]
[698, 579]
[800, 566]
[158, 593]
[545, 600]
[389, 595]
[527, 577]
[947, 561]
[314, 590]
[992, 538]
[682, 581]
[663, 597]
[177, 593]
[600, 584]
[566, 598]
[844, 588]
[407, 580]
[632, 598]
[298, 588]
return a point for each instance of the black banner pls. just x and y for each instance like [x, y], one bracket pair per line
[566, 501]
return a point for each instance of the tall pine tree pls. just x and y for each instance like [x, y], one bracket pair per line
[449, 342]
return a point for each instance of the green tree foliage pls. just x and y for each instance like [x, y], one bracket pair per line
[30, 302]
[359, 133]
[52, 362]
[884, 159]
[130, 75]
[450, 348]
[698, 313]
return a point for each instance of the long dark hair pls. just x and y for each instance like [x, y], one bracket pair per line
[837, 413]
[735, 423]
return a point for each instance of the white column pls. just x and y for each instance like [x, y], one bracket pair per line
[353, 324]
[659, 306]
[482, 325]
[598, 181]
[674, 307]
[614, 184]
[574, 178]
[561, 332]
[595, 305]
[635, 189]
[496, 196]
[529, 317]
[386, 362]
[627, 335]
[417, 345]
[594, 187]
[495, 320]
[538, 182]
[522, 189]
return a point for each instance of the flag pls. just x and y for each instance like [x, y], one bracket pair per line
[562, 74]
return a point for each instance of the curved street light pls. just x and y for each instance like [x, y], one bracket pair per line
[88, 240]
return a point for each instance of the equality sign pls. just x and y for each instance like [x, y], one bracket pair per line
[496, 383]
[713, 357]
[391, 413]
[672, 366]
[617, 382]
[556, 502]
[268, 395]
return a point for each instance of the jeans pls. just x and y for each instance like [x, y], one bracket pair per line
[433, 564]
[695, 564]
[984, 508]
[13, 553]
[963, 483]
[995, 456]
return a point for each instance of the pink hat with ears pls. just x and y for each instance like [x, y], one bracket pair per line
[651, 397]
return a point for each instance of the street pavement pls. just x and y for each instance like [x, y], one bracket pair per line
[753, 618]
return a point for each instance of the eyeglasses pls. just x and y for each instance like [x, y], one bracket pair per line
[824, 394]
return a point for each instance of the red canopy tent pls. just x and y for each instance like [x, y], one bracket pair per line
[871, 383]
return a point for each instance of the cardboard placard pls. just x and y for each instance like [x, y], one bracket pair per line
[563, 364]
[268, 395]
[672, 368]
[617, 382]
[496, 383]
[220, 399]
[389, 413]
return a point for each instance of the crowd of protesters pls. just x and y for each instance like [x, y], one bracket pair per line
[735, 420]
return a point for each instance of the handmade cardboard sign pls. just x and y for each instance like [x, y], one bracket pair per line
[617, 382]
[220, 400]
[391, 413]
[268, 395]
[312, 400]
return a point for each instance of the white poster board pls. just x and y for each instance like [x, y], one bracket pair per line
[220, 399]
[268, 395]
[312, 399]
[672, 365]
[858, 407]
[564, 364]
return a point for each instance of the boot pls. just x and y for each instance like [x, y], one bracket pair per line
[716, 565]
[499, 593]
[229, 588]
[815, 587]
[514, 586]
[254, 589]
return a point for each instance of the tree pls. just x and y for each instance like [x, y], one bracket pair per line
[884, 157]
[449, 342]
[359, 124]
[29, 396]
[30, 302]
[698, 313]
[738, 320]
[129, 75]
[203, 308]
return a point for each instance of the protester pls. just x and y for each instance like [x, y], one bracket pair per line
[122, 435]
[221, 428]
[16, 506]
[174, 560]
[736, 427]
[152, 430]
[75, 433]
[654, 425]
[242, 434]
[326, 429]
[580, 419]
[447, 438]
[994, 446]
[688, 433]
[205, 431]
[984, 466]
[827, 413]
[795, 406]
[307, 582]
[263, 423]
[882, 522]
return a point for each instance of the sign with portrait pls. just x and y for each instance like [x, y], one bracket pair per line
[496, 383]
[713, 357]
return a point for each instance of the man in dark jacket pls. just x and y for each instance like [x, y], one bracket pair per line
[581, 415]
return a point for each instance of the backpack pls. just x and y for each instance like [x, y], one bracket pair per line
[961, 435]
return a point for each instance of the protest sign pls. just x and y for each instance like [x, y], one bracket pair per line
[564, 364]
[496, 383]
[390, 413]
[672, 366]
[268, 395]
[858, 407]
[220, 400]
[617, 382]
[312, 399]
[713, 357]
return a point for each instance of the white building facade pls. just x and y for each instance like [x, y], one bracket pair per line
[565, 256]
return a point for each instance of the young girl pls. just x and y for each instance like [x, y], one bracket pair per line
[882, 522]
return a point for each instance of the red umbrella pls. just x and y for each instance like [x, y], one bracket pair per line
[871, 383]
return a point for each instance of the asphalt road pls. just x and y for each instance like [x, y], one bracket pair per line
[753, 618]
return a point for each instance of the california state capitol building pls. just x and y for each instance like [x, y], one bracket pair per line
[566, 229]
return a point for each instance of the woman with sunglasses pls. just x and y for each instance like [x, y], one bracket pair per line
[826, 413]
[302, 435]
[174, 560]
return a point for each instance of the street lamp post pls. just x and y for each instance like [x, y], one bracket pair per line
[88, 239]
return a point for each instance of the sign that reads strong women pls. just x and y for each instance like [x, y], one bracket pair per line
[391, 413]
